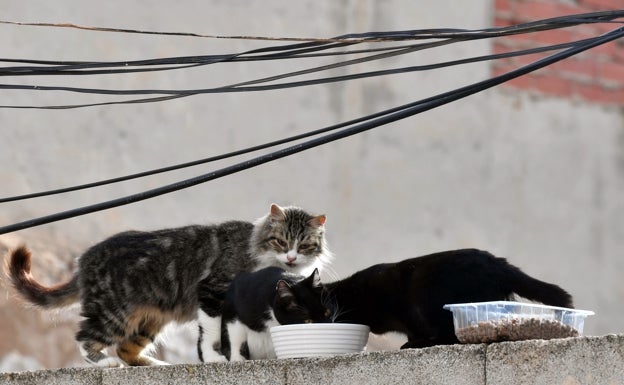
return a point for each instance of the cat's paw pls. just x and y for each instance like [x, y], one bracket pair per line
[155, 362]
[108, 362]
[214, 358]
[145, 361]
[237, 358]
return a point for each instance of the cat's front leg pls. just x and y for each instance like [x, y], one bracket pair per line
[93, 353]
[237, 334]
[209, 338]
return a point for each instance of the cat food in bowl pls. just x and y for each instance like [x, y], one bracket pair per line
[485, 322]
[318, 339]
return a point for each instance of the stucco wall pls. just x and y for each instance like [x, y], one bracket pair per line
[535, 179]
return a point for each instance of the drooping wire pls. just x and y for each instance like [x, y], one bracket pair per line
[286, 140]
[291, 138]
[354, 38]
[382, 119]
[291, 51]
[246, 86]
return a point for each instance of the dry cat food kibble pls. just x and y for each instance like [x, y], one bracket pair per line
[514, 330]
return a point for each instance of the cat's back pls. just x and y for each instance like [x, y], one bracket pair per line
[170, 243]
[381, 278]
[258, 282]
[430, 263]
[450, 266]
[449, 259]
[250, 294]
[134, 240]
[235, 232]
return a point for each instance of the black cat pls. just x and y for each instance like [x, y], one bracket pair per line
[408, 296]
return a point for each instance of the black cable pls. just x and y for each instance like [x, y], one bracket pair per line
[357, 36]
[458, 35]
[239, 87]
[230, 88]
[288, 139]
[411, 110]
[297, 50]
[78, 68]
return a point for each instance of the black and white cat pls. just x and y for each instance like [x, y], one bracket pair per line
[257, 301]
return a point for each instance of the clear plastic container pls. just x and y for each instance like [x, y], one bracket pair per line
[484, 322]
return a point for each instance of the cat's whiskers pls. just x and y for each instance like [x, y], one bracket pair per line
[333, 275]
[328, 301]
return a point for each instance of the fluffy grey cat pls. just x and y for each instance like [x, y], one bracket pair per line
[134, 283]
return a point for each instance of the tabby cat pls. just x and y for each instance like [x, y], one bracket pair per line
[407, 297]
[133, 283]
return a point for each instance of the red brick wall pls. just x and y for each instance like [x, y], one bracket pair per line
[595, 76]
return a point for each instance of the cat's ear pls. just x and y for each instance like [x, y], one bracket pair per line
[283, 289]
[285, 295]
[277, 213]
[314, 279]
[318, 221]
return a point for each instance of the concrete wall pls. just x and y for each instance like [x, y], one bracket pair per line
[589, 360]
[535, 179]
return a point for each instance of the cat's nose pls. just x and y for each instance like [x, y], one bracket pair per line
[290, 258]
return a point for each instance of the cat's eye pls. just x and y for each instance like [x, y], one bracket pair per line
[309, 321]
[277, 242]
[307, 247]
[327, 313]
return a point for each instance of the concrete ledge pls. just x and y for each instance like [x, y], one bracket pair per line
[585, 360]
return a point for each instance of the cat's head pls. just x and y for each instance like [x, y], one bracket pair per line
[292, 239]
[301, 302]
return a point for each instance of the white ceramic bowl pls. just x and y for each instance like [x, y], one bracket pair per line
[318, 340]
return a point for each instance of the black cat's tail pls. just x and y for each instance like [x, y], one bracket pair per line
[18, 271]
[536, 290]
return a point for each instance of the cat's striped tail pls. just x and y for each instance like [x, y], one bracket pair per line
[18, 270]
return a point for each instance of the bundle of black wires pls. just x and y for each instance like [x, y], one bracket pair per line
[294, 51]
